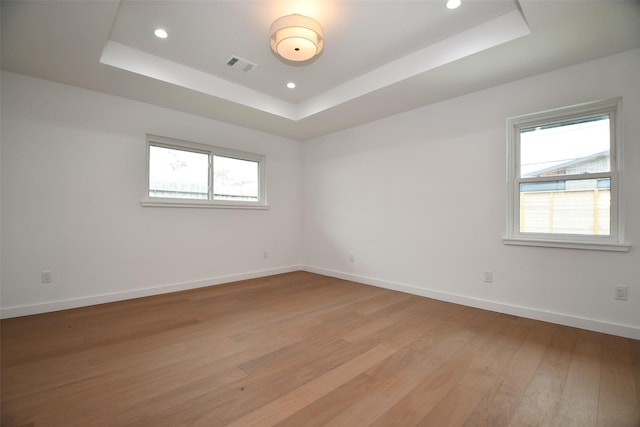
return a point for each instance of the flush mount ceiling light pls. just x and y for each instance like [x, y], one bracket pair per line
[296, 38]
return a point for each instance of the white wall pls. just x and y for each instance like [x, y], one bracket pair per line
[419, 200]
[73, 166]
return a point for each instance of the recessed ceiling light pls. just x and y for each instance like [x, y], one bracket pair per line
[291, 85]
[161, 33]
[453, 4]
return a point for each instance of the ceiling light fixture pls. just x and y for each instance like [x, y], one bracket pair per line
[453, 4]
[161, 33]
[296, 37]
[291, 85]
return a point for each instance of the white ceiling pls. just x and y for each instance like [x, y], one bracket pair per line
[380, 57]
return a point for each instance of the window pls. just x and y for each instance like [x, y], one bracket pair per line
[181, 173]
[563, 178]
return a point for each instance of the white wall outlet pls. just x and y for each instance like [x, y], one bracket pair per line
[45, 277]
[487, 276]
[265, 254]
[620, 293]
[351, 258]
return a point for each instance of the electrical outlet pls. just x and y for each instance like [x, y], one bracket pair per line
[351, 258]
[45, 277]
[620, 293]
[487, 277]
[265, 254]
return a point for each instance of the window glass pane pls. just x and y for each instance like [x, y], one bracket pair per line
[178, 174]
[235, 179]
[566, 148]
[579, 207]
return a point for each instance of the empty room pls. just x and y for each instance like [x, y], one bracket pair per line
[320, 213]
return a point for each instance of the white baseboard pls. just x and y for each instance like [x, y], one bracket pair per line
[527, 312]
[25, 310]
[626, 331]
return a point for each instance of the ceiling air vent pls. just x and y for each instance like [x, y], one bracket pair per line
[240, 64]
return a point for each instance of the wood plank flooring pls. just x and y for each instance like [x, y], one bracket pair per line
[300, 349]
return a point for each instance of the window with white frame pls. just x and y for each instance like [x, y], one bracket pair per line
[563, 177]
[181, 173]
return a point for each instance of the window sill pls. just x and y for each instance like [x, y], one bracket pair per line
[165, 203]
[568, 244]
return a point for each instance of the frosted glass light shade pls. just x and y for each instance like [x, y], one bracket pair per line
[296, 37]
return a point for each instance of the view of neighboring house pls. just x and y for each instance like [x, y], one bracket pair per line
[566, 205]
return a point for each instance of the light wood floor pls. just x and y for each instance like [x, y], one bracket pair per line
[301, 349]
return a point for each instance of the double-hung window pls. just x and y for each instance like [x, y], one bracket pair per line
[181, 173]
[563, 177]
